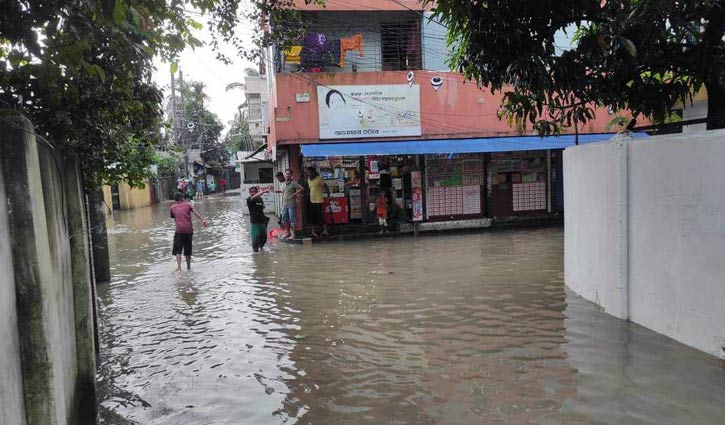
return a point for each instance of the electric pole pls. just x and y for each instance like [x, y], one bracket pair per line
[174, 121]
[183, 114]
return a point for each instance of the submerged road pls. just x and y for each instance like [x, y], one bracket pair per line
[460, 329]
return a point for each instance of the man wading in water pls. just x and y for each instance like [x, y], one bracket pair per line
[181, 213]
[257, 217]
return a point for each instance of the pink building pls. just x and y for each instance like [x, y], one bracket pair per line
[365, 97]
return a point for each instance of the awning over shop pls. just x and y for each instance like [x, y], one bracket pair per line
[452, 146]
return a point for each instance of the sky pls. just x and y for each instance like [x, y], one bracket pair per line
[200, 64]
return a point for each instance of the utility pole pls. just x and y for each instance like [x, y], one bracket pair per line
[174, 120]
[183, 114]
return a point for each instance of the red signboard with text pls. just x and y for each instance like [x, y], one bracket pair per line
[336, 210]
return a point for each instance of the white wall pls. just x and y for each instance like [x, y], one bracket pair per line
[591, 214]
[674, 253]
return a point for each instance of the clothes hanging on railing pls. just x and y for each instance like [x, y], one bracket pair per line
[292, 55]
[318, 51]
[350, 43]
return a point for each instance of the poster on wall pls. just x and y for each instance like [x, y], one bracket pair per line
[355, 203]
[348, 112]
[417, 188]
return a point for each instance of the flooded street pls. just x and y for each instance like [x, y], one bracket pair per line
[458, 329]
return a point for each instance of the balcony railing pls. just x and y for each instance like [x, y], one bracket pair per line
[357, 41]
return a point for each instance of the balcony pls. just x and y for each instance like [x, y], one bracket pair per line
[366, 41]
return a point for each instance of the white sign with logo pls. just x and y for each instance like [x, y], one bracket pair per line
[349, 112]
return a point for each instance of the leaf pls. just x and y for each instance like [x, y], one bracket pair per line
[174, 67]
[629, 46]
[119, 12]
[99, 72]
[136, 17]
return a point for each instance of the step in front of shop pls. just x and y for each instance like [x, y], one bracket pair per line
[442, 226]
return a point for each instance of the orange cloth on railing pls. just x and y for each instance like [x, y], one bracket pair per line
[350, 43]
[292, 55]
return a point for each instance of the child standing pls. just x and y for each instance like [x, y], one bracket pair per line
[381, 204]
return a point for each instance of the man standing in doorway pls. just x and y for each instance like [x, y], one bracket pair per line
[290, 190]
[181, 213]
[317, 188]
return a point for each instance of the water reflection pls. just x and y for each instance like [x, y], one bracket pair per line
[440, 330]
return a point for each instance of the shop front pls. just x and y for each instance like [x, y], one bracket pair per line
[520, 183]
[442, 180]
[354, 183]
[455, 186]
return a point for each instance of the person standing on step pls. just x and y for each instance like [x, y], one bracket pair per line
[290, 190]
[317, 189]
[255, 203]
[181, 213]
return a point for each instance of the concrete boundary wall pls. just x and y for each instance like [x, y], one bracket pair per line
[52, 367]
[645, 233]
[12, 410]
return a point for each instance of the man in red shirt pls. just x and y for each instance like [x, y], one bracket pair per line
[223, 184]
[181, 213]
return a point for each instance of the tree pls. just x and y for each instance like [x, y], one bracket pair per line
[238, 137]
[81, 71]
[641, 55]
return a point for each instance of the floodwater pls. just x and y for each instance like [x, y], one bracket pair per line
[457, 329]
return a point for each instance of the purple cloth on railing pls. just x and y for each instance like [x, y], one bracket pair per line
[326, 54]
[314, 42]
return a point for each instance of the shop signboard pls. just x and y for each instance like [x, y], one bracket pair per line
[349, 112]
[416, 183]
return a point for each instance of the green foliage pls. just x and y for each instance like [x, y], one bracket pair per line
[81, 71]
[166, 165]
[644, 55]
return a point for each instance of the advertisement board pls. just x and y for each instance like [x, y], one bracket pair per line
[355, 203]
[416, 183]
[335, 210]
[348, 112]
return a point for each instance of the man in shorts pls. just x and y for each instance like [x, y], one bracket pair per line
[290, 190]
[181, 213]
[317, 189]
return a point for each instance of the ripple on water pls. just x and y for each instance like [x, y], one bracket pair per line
[442, 330]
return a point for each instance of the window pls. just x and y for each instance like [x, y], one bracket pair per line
[254, 100]
[400, 45]
[266, 175]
